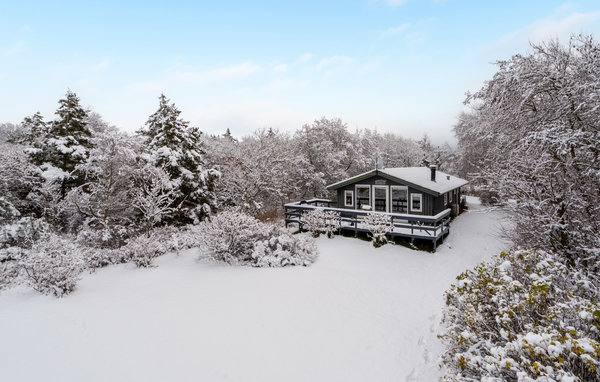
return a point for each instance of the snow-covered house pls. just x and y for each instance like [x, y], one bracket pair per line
[403, 190]
[418, 202]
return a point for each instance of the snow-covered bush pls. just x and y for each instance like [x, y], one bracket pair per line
[23, 232]
[319, 221]
[53, 265]
[378, 225]
[281, 248]
[230, 236]
[525, 316]
[142, 250]
[236, 238]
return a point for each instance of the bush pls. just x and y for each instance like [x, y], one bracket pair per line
[143, 250]
[53, 266]
[23, 232]
[233, 237]
[378, 225]
[282, 248]
[525, 316]
[230, 236]
[319, 221]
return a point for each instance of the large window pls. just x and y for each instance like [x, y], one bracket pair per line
[348, 198]
[363, 197]
[416, 204]
[399, 199]
[380, 196]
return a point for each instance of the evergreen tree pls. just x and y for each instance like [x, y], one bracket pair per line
[34, 130]
[177, 148]
[66, 144]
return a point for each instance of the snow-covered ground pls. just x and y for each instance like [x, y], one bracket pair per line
[357, 314]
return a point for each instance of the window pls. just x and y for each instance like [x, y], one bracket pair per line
[363, 197]
[348, 198]
[399, 199]
[445, 199]
[380, 196]
[415, 202]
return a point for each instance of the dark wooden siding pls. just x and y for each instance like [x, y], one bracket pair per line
[429, 202]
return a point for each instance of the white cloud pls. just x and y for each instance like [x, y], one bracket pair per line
[333, 61]
[14, 49]
[394, 31]
[306, 57]
[280, 68]
[391, 3]
[194, 77]
[100, 66]
[558, 26]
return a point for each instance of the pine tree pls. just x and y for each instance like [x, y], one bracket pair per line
[177, 148]
[34, 129]
[66, 144]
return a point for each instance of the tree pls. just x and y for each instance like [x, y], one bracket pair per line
[66, 144]
[176, 147]
[536, 126]
[105, 197]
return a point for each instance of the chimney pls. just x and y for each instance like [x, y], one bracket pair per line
[432, 168]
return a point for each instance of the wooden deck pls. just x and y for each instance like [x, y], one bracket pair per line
[423, 227]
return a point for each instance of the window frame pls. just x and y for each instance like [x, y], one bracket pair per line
[387, 197]
[392, 188]
[368, 187]
[351, 193]
[412, 198]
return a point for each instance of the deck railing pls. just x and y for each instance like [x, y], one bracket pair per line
[412, 226]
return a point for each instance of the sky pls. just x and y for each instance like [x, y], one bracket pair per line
[400, 66]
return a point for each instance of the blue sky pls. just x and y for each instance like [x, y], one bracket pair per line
[398, 66]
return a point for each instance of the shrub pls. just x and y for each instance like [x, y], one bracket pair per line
[319, 221]
[142, 250]
[236, 238]
[282, 248]
[53, 266]
[525, 316]
[23, 232]
[378, 225]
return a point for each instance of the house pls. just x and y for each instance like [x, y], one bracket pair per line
[418, 201]
[403, 190]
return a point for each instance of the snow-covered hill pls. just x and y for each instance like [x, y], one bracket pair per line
[357, 314]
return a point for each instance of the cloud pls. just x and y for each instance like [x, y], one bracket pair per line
[100, 66]
[394, 31]
[280, 68]
[191, 76]
[333, 61]
[557, 26]
[391, 3]
[13, 49]
[305, 57]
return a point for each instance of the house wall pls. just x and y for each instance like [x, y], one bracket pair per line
[428, 201]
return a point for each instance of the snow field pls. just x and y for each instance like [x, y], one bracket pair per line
[357, 314]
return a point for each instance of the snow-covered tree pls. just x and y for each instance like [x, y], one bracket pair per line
[176, 147]
[154, 196]
[34, 130]
[104, 200]
[537, 120]
[378, 226]
[66, 144]
[319, 221]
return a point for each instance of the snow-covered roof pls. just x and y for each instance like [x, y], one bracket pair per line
[416, 176]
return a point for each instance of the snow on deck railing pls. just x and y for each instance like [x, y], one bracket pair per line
[305, 204]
